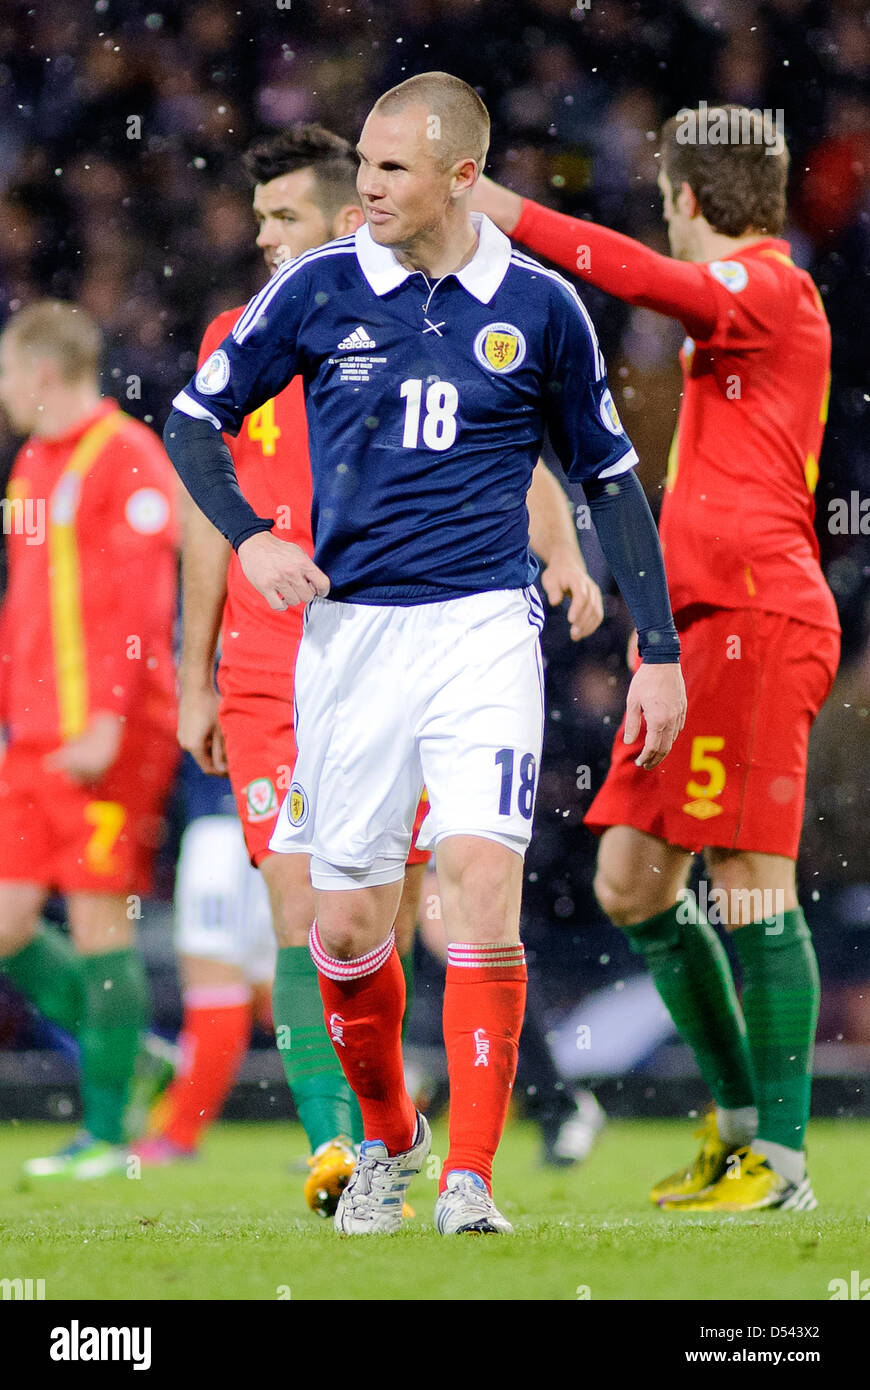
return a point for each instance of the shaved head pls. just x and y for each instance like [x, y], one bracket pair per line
[457, 122]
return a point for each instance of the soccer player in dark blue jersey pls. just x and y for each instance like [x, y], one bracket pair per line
[434, 358]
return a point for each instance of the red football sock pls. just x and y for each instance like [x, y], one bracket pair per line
[214, 1038]
[484, 1003]
[363, 1003]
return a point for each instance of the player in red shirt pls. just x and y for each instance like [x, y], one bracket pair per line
[87, 705]
[304, 194]
[760, 638]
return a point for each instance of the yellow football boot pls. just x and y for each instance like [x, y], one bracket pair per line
[331, 1165]
[749, 1184]
[708, 1167]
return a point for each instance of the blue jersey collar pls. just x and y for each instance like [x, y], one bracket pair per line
[481, 276]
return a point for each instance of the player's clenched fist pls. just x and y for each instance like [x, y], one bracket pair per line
[656, 694]
[281, 571]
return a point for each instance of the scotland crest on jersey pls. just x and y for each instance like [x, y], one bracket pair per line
[500, 347]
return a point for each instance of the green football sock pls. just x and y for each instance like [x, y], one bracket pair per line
[48, 972]
[691, 972]
[781, 1006]
[407, 964]
[116, 1010]
[324, 1101]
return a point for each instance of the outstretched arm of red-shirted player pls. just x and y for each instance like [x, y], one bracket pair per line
[614, 263]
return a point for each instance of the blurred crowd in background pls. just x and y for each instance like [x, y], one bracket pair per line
[122, 123]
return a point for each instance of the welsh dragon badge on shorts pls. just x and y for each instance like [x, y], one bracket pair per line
[261, 799]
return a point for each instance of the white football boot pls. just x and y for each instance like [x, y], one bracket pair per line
[466, 1208]
[576, 1135]
[372, 1202]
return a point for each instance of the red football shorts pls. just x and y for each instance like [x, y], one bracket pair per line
[100, 837]
[256, 719]
[735, 777]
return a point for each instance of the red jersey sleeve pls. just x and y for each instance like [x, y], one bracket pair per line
[752, 300]
[127, 537]
[622, 267]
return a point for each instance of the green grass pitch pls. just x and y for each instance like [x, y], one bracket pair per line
[233, 1225]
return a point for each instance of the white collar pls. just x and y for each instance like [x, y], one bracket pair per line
[481, 276]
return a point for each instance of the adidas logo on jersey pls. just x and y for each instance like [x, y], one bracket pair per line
[359, 338]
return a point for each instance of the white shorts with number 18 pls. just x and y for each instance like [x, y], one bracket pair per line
[450, 695]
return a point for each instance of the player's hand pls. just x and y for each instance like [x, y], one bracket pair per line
[498, 203]
[658, 696]
[566, 575]
[89, 756]
[281, 571]
[199, 732]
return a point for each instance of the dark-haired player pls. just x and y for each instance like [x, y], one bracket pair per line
[760, 636]
[432, 359]
[305, 193]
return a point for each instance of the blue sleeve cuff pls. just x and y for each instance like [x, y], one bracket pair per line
[630, 542]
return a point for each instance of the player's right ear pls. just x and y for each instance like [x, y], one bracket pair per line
[464, 176]
[347, 220]
[687, 203]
